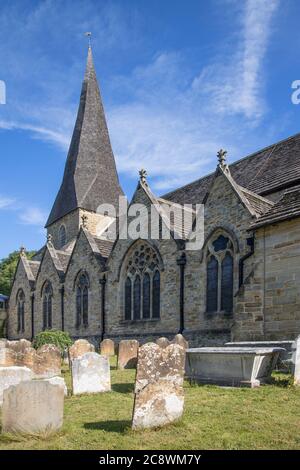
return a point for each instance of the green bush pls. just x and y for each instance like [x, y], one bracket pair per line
[61, 339]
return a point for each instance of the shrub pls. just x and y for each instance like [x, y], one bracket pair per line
[61, 339]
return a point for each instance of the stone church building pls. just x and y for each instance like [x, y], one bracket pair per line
[243, 284]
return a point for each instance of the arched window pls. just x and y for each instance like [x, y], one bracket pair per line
[137, 298]
[212, 285]
[142, 284]
[227, 283]
[62, 235]
[128, 303]
[219, 277]
[82, 300]
[21, 311]
[47, 305]
[146, 295]
[156, 295]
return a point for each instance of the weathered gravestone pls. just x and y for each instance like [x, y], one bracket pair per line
[58, 381]
[163, 342]
[19, 346]
[45, 362]
[107, 348]
[90, 374]
[12, 376]
[159, 397]
[79, 348]
[296, 361]
[180, 339]
[7, 357]
[3, 343]
[33, 407]
[127, 354]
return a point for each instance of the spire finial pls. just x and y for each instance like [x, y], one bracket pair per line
[222, 157]
[49, 238]
[143, 175]
[22, 251]
[84, 219]
[89, 35]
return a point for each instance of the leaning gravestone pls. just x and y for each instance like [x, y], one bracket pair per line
[79, 348]
[12, 376]
[296, 361]
[33, 407]
[90, 374]
[180, 339]
[163, 342]
[107, 348]
[159, 397]
[127, 354]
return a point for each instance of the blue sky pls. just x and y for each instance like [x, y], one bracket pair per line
[179, 79]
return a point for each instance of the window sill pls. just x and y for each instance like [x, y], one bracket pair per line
[218, 314]
[139, 320]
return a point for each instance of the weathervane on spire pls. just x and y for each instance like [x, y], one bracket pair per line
[89, 35]
[222, 157]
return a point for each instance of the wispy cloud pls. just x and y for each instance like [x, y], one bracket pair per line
[174, 122]
[235, 85]
[33, 216]
[6, 202]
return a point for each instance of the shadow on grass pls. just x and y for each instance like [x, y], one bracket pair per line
[123, 388]
[109, 426]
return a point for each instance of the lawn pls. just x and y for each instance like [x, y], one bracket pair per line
[214, 418]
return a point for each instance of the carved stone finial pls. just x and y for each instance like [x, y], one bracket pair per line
[49, 238]
[143, 175]
[84, 219]
[222, 157]
[22, 251]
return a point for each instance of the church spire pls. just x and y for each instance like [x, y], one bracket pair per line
[90, 176]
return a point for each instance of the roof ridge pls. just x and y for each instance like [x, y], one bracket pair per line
[233, 164]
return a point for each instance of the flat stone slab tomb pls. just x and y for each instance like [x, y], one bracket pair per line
[285, 356]
[231, 366]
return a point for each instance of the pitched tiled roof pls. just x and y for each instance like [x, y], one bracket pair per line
[34, 266]
[265, 172]
[90, 176]
[104, 246]
[288, 207]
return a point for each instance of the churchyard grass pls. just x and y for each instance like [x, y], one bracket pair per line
[214, 418]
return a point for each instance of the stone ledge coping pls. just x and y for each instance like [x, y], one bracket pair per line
[258, 343]
[234, 350]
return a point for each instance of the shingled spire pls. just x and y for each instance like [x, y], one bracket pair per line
[90, 176]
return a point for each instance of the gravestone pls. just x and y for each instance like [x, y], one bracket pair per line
[8, 357]
[90, 374]
[19, 346]
[180, 339]
[163, 342]
[58, 381]
[12, 376]
[47, 361]
[107, 348]
[33, 407]
[296, 361]
[159, 397]
[79, 348]
[127, 354]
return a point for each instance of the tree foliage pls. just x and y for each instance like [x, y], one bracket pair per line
[7, 270]
[61, 339]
